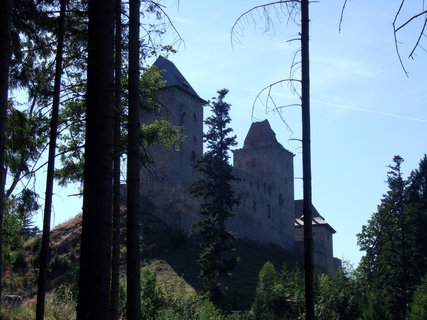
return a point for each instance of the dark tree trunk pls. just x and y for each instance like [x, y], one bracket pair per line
[95, 255]
[133, 172]
[115, 268]
[306, 162]
[5, 25]
[44, 252]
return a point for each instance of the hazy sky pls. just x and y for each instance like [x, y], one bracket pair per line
[364, 110]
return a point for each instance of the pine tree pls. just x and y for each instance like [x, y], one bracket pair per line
[395, 242]
[217, 258]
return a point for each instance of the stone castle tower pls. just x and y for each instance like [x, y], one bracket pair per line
[268, 211]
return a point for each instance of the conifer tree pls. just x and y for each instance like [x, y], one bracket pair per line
[395, 242]
[5, 26]
[217, 258]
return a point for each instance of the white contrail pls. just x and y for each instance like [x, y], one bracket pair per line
[387, 114]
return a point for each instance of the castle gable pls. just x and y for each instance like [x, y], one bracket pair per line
[174, 77]
[260, 134]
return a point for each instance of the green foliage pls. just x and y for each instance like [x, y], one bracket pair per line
[214, 188]
[337, 297]
[395, 242]
[278, 296]
[151, 81]
[268, 294]
[151, 295]
[418, 308]
[375, 305]
[281, 295]
[71, 140]
[179, 305]
[161, 132]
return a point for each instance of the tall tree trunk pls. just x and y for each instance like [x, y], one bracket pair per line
[306, 162]
[115, 268]
[5, 26]
[133, 172]
[44, 252]
[95, 254]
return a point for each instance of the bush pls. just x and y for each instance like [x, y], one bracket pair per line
[151, 295]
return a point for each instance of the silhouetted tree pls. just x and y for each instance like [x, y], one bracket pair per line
[44, 253]
[218, 198]
[95, 255]
[115, 261]
[134, 165]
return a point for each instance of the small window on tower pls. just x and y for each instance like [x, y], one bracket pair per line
[281, 200]
[269, 211]
[194, 116]
[254, 205]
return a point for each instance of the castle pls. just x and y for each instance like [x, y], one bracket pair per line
[267, 213]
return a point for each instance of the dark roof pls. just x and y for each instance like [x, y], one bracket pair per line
[299, 206]
[174, 77]
[318, 220]
[260, 134]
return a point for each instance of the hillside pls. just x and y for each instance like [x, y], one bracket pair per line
[170, 253]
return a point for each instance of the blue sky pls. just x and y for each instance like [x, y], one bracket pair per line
[364, 110]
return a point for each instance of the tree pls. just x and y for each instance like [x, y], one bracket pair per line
[133, 169]
[217, 258]
[395, 242]
[269, 302]
[95, 254]
[44, 253]
[5, 26]
[115, 261]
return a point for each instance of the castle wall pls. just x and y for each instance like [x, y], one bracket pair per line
[165, 183]
[323, 258]
[262, 214]
[267, 193]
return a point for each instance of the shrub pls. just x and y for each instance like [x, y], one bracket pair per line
[151, 295]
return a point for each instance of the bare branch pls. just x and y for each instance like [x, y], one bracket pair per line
[342, 15]
[417, 44]
[409, 20]
[290, 8]
[271, 100]
[395, 37]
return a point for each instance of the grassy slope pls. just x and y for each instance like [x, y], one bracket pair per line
[172, 255]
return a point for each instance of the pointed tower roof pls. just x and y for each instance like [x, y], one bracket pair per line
[174, 77]
[260, 134]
